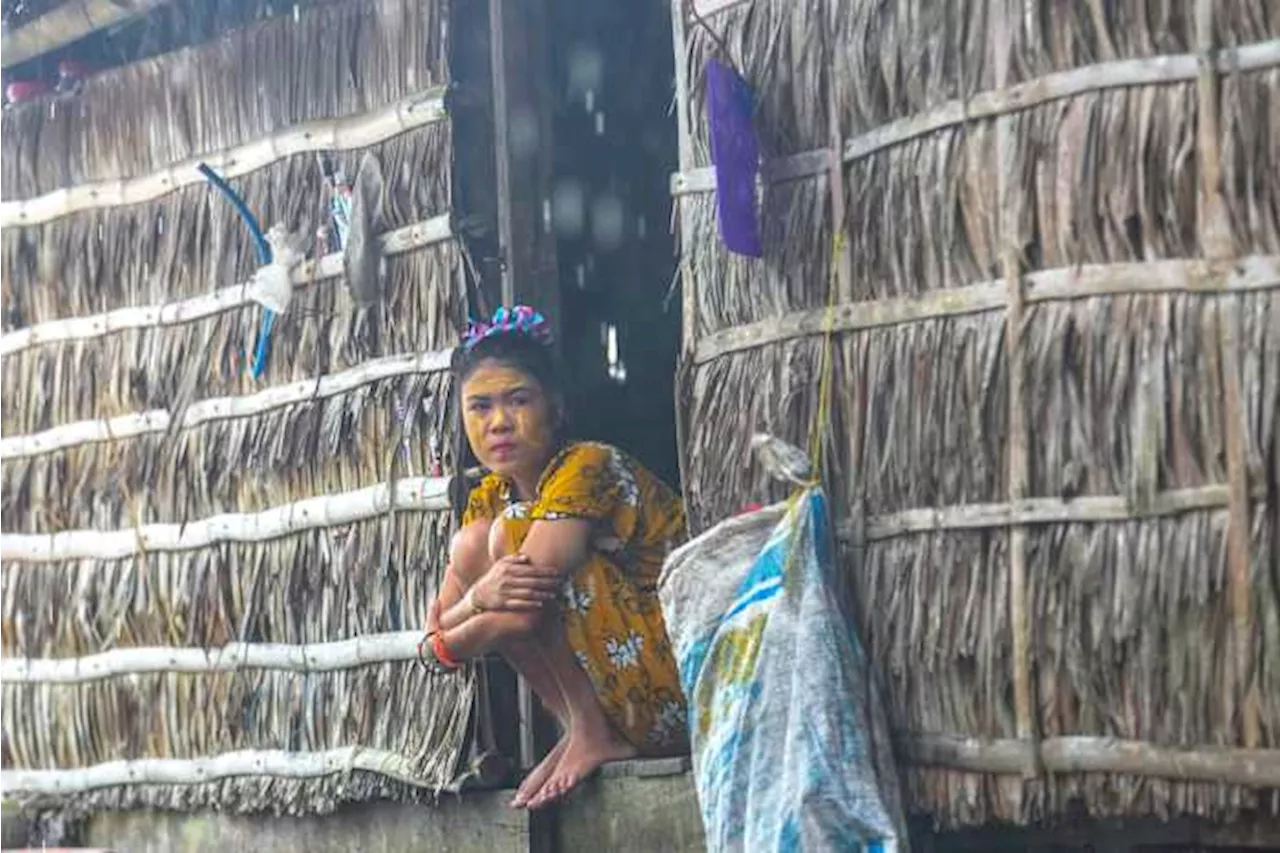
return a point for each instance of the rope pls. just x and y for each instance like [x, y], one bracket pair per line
[827, 368]
[821, 417]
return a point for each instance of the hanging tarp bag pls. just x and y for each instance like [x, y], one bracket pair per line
[790, 751]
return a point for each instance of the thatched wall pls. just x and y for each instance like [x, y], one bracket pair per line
[154, 433]
[1086, 553]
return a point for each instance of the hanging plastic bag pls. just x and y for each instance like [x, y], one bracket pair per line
[790, 748]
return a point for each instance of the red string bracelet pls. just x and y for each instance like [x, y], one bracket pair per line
[441, 651]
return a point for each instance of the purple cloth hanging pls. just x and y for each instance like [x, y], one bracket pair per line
[735, 151]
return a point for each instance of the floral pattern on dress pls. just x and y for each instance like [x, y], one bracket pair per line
[610, 606]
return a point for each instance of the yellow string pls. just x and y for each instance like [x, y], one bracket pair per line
[817, 428]
[827, 368]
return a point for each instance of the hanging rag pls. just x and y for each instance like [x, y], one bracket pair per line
[735, 152]
[362, 250]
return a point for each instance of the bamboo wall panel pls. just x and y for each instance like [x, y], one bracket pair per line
[1053, 447]
[164, 508]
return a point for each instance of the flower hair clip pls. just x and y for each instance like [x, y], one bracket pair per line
[520, 320]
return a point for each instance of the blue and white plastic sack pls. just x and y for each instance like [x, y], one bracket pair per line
[790, 746]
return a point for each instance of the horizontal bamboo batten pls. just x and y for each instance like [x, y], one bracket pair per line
[708, 8]
[341, 134]
[224, 408]
[198, 771]
[412, 494]
[1078, 754]
[1021, 96]
[218, 538]
[67, 23]
[397, 242]
[1051, 435]
[1028, 511]
[1253, 273]
[312, 657]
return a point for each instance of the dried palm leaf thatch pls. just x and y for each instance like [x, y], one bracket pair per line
[336, 444]
[335, 60]
[192, 241]
[158, 368]
[321, 585]
[1142, 624]
[317, 586]
[796, 236]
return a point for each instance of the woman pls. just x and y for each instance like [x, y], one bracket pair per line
[557, 562]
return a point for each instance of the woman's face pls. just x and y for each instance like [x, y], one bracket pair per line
[509, 419]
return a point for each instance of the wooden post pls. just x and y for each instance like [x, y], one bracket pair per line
[688, 295]
[1018, 462]
[522, 151]
[522, 165]
[1216, 244]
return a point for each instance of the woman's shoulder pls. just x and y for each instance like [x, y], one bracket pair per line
[589, 453]
[594, 460]
[595, 463]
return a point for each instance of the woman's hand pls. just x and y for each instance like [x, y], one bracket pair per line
[514, 583]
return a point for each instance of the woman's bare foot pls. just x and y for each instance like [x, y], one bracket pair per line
[587, 749]
[538, 775]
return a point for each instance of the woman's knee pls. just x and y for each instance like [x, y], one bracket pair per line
[469, 552]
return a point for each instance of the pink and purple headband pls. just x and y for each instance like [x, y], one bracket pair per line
[520, 320]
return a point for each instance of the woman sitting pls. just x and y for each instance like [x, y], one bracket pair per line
[557, 562]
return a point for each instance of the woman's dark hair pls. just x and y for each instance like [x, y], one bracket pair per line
[513, 349]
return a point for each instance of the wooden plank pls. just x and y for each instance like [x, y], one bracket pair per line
[337, 134]
[68, 23]
[1257, 272]
[423, 494]
[399, 241]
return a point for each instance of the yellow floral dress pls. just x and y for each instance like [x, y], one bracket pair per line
[610, 606]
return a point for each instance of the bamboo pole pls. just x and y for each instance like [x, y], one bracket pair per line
[1093, 509]
[197, 771]
[67, 23]
[1150, 71]
[1080, 754]
[1217, 244]
[707, 8]
[424, 494]
[1253, 273]
[402, 240]
[366, 650]
[1018, 471]
[684, 130]
[337, 134]
[223, 408]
